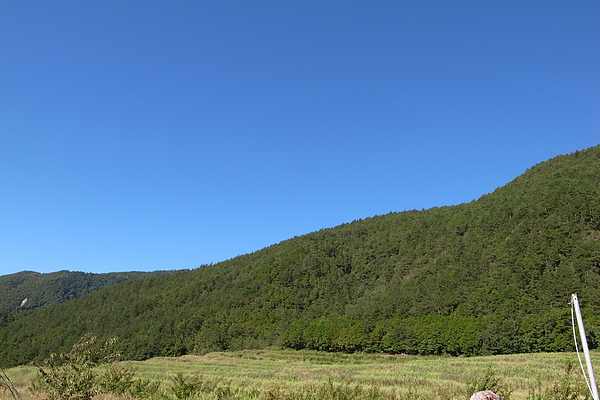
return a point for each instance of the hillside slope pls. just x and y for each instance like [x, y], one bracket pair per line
[28, 290]
[491, 276]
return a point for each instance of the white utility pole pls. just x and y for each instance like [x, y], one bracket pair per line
[586, 350]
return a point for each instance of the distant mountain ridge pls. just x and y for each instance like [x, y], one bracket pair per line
[487, 277]
[28, 290]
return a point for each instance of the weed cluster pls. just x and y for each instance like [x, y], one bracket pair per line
[566, 389]
[329, 391]
[186, 388]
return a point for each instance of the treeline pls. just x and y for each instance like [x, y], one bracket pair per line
[416, 335]
[439, 335]
[488, 277]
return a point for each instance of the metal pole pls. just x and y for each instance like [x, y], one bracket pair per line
[586, 350]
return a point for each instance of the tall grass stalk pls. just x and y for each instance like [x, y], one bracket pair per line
[8, 386]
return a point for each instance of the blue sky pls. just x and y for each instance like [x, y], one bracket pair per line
[145, 135]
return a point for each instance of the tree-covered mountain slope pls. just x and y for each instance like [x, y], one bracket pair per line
[490, 276]
[28, 290]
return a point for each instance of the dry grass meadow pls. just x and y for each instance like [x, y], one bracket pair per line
[287, 374]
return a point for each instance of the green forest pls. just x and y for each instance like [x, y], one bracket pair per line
[492, 276]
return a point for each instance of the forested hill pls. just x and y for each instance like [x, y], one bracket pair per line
[28, 290]
[491, 276]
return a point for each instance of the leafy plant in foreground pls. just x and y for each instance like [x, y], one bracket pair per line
[70, 376]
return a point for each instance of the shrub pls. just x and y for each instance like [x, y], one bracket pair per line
[70, 376]
[184, 388]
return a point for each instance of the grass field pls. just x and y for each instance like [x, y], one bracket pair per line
[284, 374]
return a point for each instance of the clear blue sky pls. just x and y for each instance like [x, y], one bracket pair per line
[145, 135]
